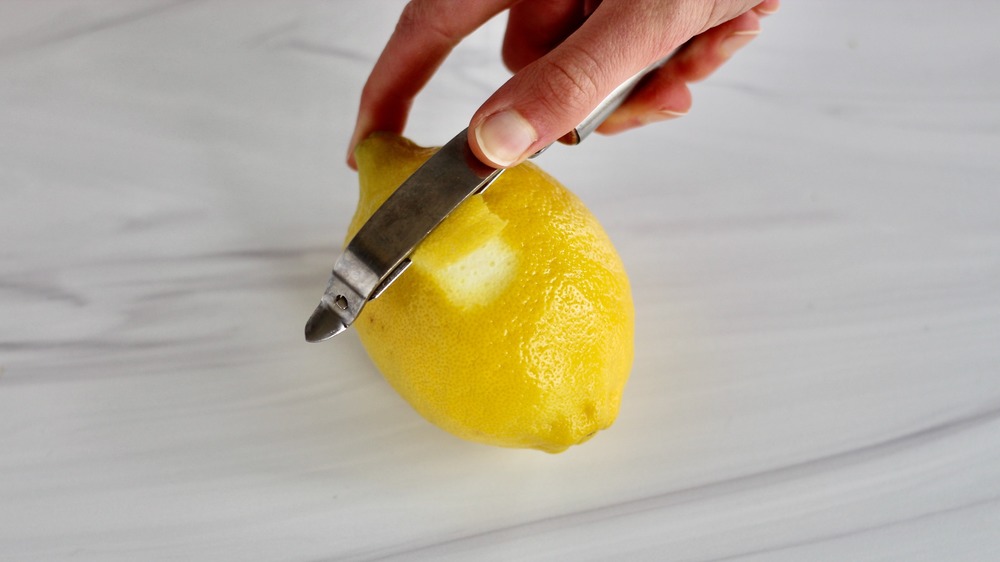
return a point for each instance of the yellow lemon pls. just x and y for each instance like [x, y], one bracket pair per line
[514, 324]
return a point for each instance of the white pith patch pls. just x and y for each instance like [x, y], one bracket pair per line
[480, 276]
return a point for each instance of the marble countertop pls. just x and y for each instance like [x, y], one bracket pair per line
[814, 250]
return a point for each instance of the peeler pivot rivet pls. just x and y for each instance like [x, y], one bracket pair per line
[341, 302]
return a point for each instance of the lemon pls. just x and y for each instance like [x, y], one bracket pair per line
[513, 326]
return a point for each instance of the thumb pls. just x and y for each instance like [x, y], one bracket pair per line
[551, 96]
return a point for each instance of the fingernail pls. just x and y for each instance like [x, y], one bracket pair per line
[766, 12]
[736, 41]
[505, 136]
[659, 115]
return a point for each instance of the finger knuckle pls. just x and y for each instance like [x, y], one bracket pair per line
[413, 14]
[571, 80]
[422, 17]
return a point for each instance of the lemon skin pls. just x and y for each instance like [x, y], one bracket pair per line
[514, 325]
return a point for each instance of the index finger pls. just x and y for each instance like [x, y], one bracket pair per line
[426, 32]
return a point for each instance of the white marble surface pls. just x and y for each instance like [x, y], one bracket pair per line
[815, 254]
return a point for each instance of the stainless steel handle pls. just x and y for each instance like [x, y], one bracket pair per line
[378, 252]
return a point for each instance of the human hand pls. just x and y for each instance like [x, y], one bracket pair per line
[567, 56]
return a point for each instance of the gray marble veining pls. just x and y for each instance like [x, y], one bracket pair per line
[816, 251]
